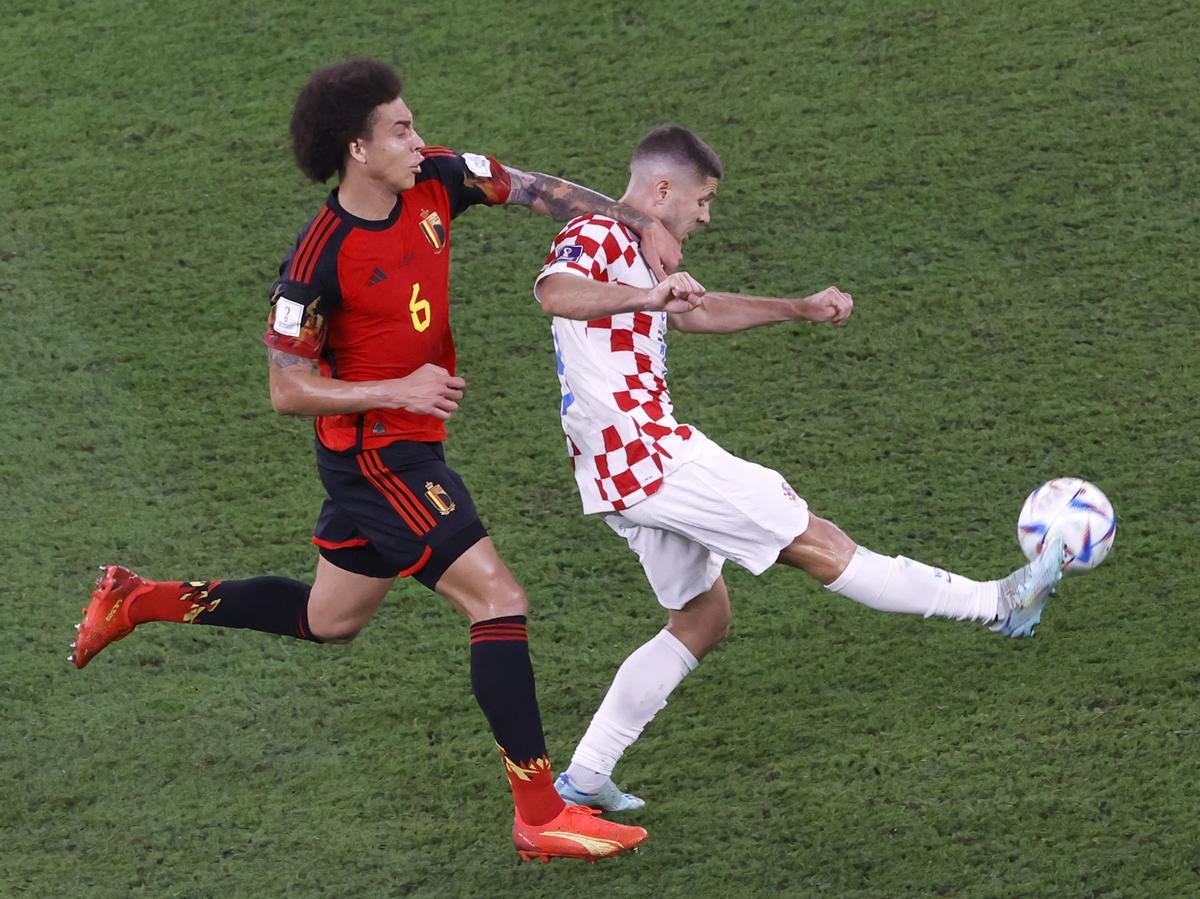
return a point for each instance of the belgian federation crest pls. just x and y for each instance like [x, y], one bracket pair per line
[433, 229]
[439, 497]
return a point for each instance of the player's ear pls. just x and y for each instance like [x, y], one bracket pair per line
[356, 150]
[662, 187]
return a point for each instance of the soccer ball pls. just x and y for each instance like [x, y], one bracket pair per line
[1075, 510]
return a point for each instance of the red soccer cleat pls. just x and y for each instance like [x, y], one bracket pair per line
[106, 619]
[577, 832]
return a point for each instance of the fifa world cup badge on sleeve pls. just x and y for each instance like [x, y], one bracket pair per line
[479, 165]
[288, 316]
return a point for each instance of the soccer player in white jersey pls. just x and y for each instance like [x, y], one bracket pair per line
[685, 505]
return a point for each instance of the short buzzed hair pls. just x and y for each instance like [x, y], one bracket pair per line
[679, 145]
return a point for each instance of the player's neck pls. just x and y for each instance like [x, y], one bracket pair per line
[638, 201]
[366, 199]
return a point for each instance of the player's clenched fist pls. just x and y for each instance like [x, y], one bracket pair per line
[430, 390]
[679, 292]
[830, 305]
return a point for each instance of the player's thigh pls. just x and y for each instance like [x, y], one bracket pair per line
[411, 510]
[737, 509]
[480, 586]
[343, 602]
[822, 551]
[704, 621]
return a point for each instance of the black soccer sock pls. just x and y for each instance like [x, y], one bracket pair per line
[275, 605]
[502, 680]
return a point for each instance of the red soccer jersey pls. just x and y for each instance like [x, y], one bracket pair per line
[370, 300]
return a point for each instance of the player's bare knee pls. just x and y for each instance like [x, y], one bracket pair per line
[336, 631]
[722, 627]
[718, 619]
[340, 637]
[701, 633]
[510, 599]
[823, 550]
[500, 598]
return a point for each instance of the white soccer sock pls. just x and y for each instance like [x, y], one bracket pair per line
[638, 693]
[897, 584]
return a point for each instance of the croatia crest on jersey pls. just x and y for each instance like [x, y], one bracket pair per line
[433, 229]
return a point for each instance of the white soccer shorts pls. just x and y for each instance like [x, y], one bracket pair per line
[713, 508]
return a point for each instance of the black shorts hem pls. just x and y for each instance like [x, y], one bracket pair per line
[360, 560]
[448, 552]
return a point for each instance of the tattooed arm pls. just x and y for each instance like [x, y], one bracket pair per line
[298, 390]
[563, 200]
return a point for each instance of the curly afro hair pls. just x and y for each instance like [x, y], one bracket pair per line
[336, 107]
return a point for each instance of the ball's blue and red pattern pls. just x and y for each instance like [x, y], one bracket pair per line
[1075, 510]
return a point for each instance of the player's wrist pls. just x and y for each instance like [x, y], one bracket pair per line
[807, 308]
[381, 394]
[646, 299]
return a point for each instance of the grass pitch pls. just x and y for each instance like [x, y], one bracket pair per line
[1007, 189]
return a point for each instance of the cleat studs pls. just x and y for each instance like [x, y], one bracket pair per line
[79, 626]
[71, 658]
[72, 644]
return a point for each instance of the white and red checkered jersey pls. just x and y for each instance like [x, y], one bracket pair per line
[621, 431]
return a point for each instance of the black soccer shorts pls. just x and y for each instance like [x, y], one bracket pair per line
[398, 510]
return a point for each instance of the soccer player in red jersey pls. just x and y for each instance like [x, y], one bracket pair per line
[363, 297]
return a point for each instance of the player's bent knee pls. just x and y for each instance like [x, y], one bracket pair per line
[723, 628]
[336, 631]
[823, 550]
[510, 600]
[498, 598]
[719, 630]
[702, 633]
[339, 638]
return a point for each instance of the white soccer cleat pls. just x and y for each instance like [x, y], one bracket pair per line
[1027, 590]
[609, 798]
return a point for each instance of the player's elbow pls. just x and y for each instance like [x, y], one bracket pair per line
[286, 389]
[551, 304]
[693, 321]
[284, 399]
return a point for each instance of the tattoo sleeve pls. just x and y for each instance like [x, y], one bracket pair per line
[563, 200]
[280, 359]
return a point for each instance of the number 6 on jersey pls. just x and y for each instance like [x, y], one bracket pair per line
[419, 308]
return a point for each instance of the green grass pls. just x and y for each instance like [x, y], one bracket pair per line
[1007, 189]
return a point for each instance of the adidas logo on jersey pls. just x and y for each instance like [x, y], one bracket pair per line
[376, 276]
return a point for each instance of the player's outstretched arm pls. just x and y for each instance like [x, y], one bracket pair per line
[297, 390]
[723, 313]
[563, 200]
[573, 296]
